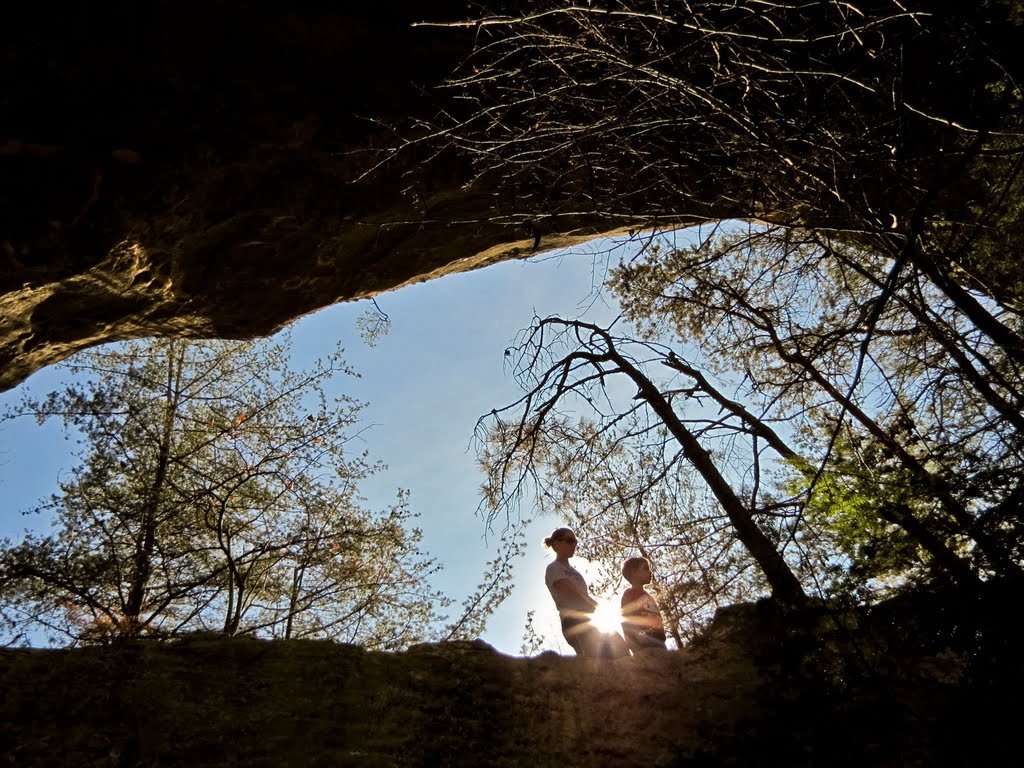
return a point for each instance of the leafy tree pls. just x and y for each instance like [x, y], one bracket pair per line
[882, 289]
[851, 374]
[869, 554]
[577, 465]
[832, 338]
[792, 403]
[217, 490]
[494, 587]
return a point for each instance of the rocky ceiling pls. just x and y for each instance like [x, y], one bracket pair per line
[195, 168]
[200, 168]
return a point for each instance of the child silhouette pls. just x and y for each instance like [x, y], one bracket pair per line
[642, 626]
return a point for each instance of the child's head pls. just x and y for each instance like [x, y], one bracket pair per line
[560, 535]
[637, 571]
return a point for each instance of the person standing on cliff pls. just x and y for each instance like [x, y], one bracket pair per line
[641, 618]
[575, 606]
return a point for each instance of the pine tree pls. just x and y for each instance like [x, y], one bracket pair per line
[217, 490]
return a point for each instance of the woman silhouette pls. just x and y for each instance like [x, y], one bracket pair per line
[575, 606]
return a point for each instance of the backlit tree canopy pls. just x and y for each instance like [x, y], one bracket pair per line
[826, 399]
[784, 416]
[218, 490]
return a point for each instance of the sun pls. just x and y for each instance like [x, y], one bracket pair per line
[607, 617]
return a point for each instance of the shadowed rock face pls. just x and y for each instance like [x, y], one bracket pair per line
[884, 688]
[196, 168]
[193, 168]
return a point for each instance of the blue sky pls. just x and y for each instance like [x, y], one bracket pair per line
[426, 383]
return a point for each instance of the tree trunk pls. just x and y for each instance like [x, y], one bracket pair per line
[784, 583]
[151, 506]
[902, 517]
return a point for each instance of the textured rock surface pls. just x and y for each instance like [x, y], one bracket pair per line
[193, 168]
[759, 690]
[306, 704]
[186, 167]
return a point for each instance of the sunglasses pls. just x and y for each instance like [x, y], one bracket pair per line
[568, 541]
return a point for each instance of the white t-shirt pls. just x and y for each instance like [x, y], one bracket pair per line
[556, 571]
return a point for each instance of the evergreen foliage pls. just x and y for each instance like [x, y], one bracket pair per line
[218, 490]
[824, 399]
[860, 427]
